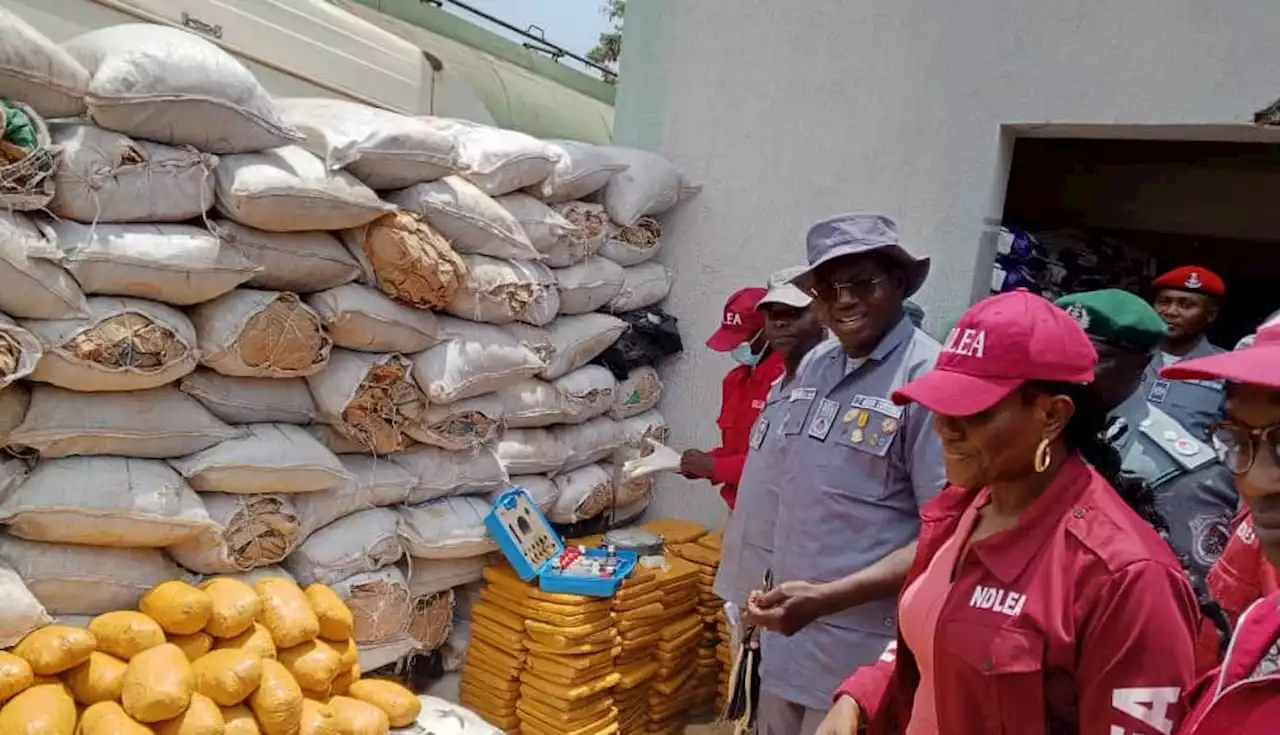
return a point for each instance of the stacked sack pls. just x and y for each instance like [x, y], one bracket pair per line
[705, 554]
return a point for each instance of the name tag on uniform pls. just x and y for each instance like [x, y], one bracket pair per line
[823, 419]
[803, 394]
[1159, 391]
[877, 404]
[758, 432]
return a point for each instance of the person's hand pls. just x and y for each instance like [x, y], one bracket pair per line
[844, 718]
[696, 464]
[786, 608]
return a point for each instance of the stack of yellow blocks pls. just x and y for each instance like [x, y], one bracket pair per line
[674, 690]
[705, 555]
[724, 657]
[637, 610]
[496, 657]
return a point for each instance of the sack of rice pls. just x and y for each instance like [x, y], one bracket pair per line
[429, 576]
[168, 85]
[588, 393]
[252, 531]
[302, 262]
[531, 452]
[108, 177]
[590, 226]
[448, 528]
[581, 169]
[431, 620]
[529, 403]
[174, 264]
[384, 149]
[45, 709]
[361, 318]
[473, 359]
[38, 71]
[379, 602]
[438, 473]
[496, 160]
[280, 458]
[541, 488]
[364, 541]
[374, 483]
[261, 334]
[158, 423]
[473, 222]
[634, 244]
[20, 611]
[649, 185]
[461, 426]
[584, 493]
[570, 341]
[589, 285]
[70, 579]
[130, 503]
[289, 190]
[35, 286]
[549, 233]
[368, 397]
[123, 344]
[639, 392]
[591, 441]
[338, 443]
[643, 286]
[407, 260]
[505, 291]
[252, 400]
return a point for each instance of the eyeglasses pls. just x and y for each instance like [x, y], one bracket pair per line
[1240, 445]
[859, 288]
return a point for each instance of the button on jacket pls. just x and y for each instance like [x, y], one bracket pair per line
[743, 395]
[1243, 696]
[1077, 620]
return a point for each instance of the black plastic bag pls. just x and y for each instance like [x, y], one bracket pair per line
[652, 335]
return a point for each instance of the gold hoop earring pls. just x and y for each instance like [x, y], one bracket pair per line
[1044, 455]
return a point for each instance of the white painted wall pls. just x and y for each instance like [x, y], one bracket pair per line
[789, 111]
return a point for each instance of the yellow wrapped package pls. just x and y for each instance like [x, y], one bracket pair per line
[336, 620]
[579, 649]
[179, 608]
[318, 719]
[501, 658]
[256, 640]
[109, 718]
[586, 712]
[576, 632]
[535, 725]
[44, 709]
[343, 681]
[54, 649]
[498, 615]
[401, 705]
[227, 676]
[16, 676]
[100, 679]
[588, 661]
[632, 603]
[124, 634]
[286, 612]
[277, 702]
[359, 718]
[194, 645]
[235, 607]
[497, 635]
[347, 651]
[568, 642]
[202, 717]
[476, 674]
[240, 721]
[535, 607]
[569, 678]
[571, 694]
[314, 665]
[158, 684]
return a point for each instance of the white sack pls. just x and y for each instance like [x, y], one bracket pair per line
[588, 392]
[644, 286]
[86, 580]
[650, 185]
[444, 717]
[339, 444]
[635, 244]
[361, 318]
[20, 612]
[252, 400]
[546, 229]
[121, 502]
[628, 491]
[167, 85]
[407, 260]
[588, 442]
[531, 452]
[252, 531]
[157, 423]
[261, 334]
[375, 483]
[448, 528]
[542, 489]
[393, 650]
[530, 403]
[438, 473]
[639, 392]
[590, 226]
[39, 72]
[380, 603]
[175, 264]
[13, 472]
[384, 149]
[368, 397]
[472, 221]
[584, 493]
[302, 262]
[289, 190]
[496, 160]
[570, 341]
[108, 177]
[430, 576]
[280, 458]
[364, 541]
[581, 169]
[123, 344]
[33, 284]
[460, 426]
[14, 401]
[505, 291]
[589, 285]
[473, 359]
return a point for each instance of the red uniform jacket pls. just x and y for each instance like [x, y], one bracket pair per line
[1241, 576]
[743, 396]
[1078, 620]
[1232, 701]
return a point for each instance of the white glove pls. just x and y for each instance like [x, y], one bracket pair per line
[663, 459]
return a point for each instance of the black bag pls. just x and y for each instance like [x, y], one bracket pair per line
[652, 335]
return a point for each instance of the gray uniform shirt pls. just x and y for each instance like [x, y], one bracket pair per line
[1195, 404]
[855, 469]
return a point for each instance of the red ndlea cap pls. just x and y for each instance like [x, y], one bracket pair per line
[1257, 364]
[741, 320]
[1194, 278]
[997, 345]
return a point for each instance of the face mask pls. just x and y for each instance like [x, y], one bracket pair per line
[743, 355]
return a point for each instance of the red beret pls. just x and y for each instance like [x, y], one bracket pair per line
[1194, 278]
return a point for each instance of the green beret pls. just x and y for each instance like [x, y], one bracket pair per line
[1116, 316]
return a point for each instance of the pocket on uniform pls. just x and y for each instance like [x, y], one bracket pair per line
[1007, 670]
[796, 416]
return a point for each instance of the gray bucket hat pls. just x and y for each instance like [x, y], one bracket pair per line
[856, 234]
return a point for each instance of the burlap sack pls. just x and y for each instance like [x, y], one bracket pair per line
[338, 443]
[20, 611]
[123, 344]
[640, 392]
[471, 221]
[570, 341]
[643, 286]
[584, 493]
[364, 541]
[253, 531]
[581, 169]
[496, 160]
[429, 576]
[588, 392]
[261, 334]
[649, 186]
[591, 226]
[71, 579]
[529, 403]
[628, 246]
[368, 397]
[302, 262]
[588, 442]
[252, 400]
[448, 528]
[38, 71]
[460, 426]
[505, 291]
[361, 318]
[374, 483]
[589, 285]
[380, 602]
[546, 229]
[438, 473]
[280, 458]
[407, 260]
[474, 359]
[33, 284]
[531, 452]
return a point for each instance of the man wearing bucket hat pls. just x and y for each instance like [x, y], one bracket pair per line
[1187, 299]
[855, 467]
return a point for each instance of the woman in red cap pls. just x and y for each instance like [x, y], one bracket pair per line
[1041, 599]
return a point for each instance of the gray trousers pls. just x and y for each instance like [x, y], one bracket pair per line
[778, 716]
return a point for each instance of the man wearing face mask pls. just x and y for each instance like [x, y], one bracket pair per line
[741, 335]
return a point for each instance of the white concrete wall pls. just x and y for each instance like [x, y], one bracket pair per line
[789, 111]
